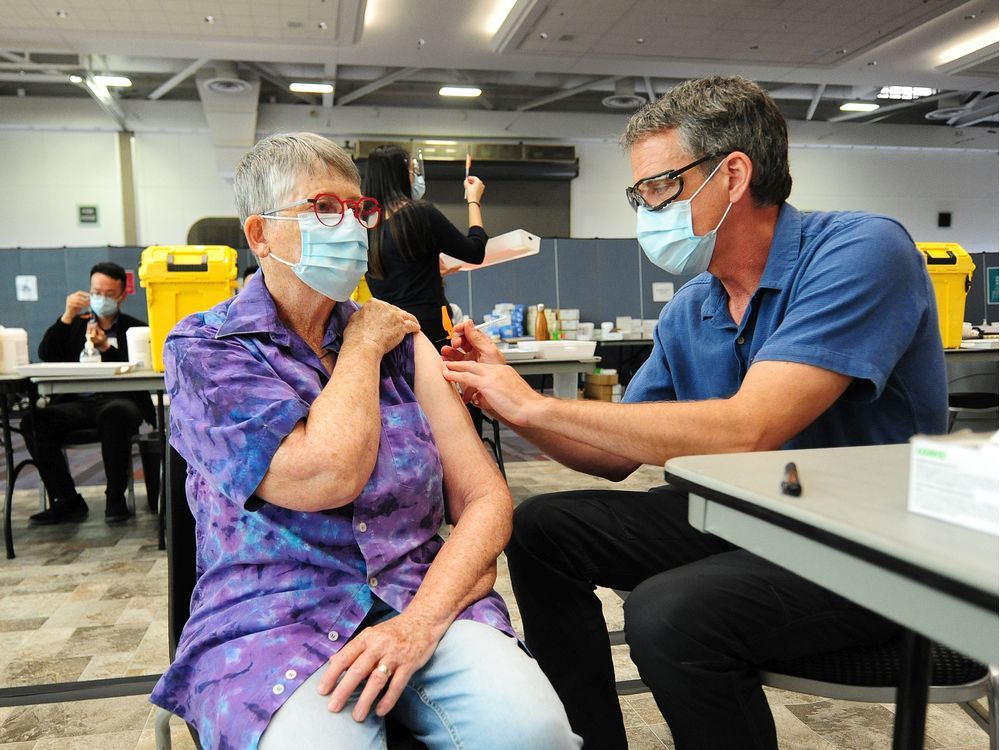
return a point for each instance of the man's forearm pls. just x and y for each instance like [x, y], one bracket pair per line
[578, 455]
[647, 433]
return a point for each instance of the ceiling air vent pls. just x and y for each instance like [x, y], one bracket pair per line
[624, 96]
[226, 80]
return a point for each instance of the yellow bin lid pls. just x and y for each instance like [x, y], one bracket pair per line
[196, 263]
[947, 257]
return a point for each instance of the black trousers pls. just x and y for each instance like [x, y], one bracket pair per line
[701, 613]
[116, 419]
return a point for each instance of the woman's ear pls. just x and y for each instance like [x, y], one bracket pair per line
[253, 228]
[739, 169]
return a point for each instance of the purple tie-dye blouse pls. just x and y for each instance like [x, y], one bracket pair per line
[278, 590]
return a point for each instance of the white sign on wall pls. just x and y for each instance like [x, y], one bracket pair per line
[26, 288]
[663, 291]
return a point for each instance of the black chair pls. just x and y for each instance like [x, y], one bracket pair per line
[181, 579]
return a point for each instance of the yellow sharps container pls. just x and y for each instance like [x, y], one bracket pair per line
[180, 280]
[951, 270]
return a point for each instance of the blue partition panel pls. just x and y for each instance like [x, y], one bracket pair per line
[600, 277]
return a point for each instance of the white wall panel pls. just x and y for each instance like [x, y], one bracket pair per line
[44, 176]
[176, 184]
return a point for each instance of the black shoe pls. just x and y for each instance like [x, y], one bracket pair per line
[61, 511]
[117, 511]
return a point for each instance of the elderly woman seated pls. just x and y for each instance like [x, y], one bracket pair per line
[324, 445]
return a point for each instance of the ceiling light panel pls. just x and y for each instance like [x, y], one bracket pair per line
[802, 33]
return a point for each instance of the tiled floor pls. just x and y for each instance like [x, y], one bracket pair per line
[89, 601]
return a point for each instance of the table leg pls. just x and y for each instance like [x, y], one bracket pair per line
[911, 693]
[564, 384]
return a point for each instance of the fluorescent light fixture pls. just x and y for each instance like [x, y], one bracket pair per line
[858, 107]
[970, 45]
[75, 79]
[495, 20]
[370, 14]
[904, 93]
[442, 143]
[466, 91]
[311, 88]
[118, 81]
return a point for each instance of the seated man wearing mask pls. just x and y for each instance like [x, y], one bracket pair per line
[808, 330]
[323, 447]
[93, 326]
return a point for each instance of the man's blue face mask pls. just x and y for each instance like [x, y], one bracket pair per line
[103, 307]
[668, 239]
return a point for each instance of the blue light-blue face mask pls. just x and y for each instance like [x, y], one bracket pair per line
[333, 259]
[418, 188]
[103, 307]
[668, 239]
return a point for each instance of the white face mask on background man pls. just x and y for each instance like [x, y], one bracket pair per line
[668, 239]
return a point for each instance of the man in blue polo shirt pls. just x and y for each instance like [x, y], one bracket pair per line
[806, 330]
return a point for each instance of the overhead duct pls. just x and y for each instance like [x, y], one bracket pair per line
[624, 96]
[226, 80]
[230, 106]
[445, 159]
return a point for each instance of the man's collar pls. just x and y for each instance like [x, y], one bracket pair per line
[785, 248]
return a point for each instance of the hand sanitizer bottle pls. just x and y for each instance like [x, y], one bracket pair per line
[90, 353]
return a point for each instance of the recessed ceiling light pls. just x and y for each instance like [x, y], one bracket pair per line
[75, 79]
[311, 88]
[543, 35]
[969, 46]
[321, 26]
[872, 63]
[640, 40]
[466, 91]
[61, 14]
[495, 19]
[971, 16]
[209, 19]
[841, 51]
[114, 81]
[858, 107]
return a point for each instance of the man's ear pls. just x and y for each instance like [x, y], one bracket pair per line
[253, 228]
[739, 169]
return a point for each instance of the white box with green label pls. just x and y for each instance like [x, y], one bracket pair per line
[956, 478]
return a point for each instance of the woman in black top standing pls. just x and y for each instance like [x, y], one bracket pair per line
[404, 249]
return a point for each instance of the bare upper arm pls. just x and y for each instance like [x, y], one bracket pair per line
[780, 399]
[469, 472]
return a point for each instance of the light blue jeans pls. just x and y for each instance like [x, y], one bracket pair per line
[479, 691]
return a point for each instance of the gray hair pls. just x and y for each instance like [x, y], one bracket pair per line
[267, 173]
[719, 115]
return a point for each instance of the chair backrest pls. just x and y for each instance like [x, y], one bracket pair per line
[181, 575]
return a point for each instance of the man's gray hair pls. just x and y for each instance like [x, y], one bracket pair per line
[719, 115]
[267, 173]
